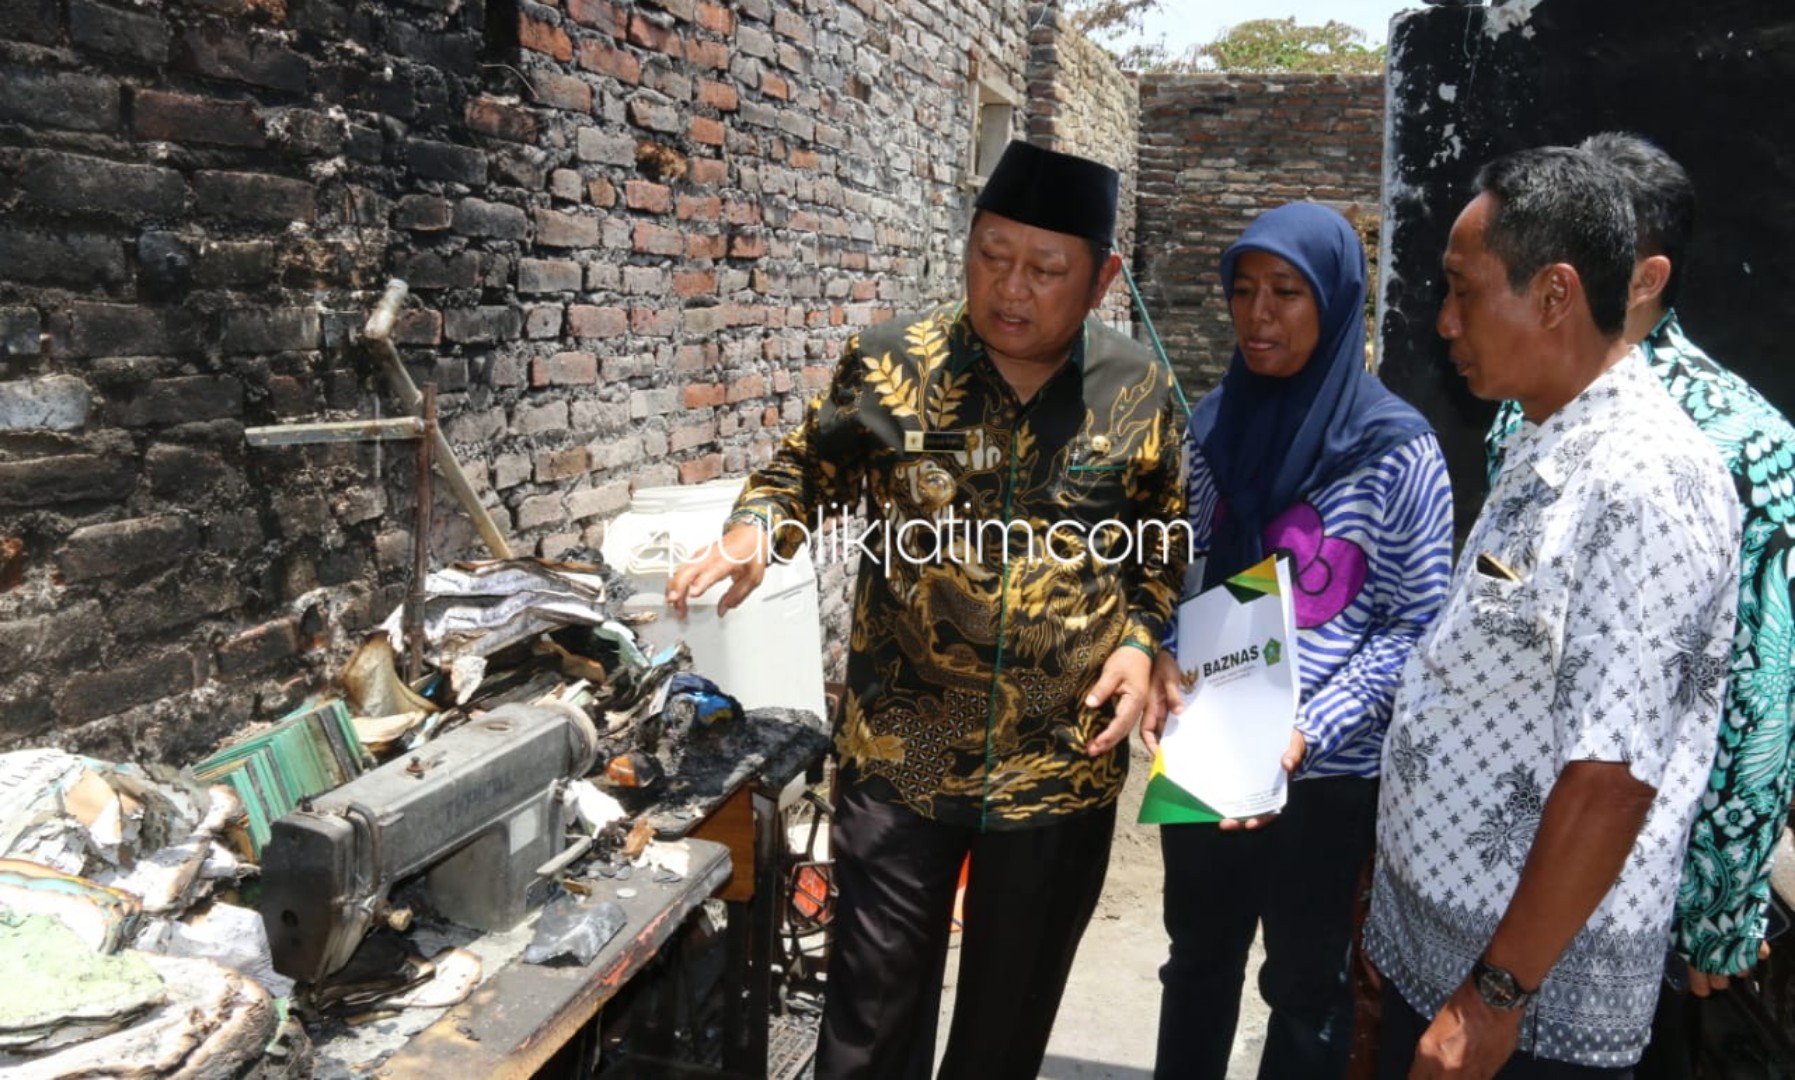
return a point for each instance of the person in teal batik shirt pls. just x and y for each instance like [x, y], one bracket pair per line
[1725, 890]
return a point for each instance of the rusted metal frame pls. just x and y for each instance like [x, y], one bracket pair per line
[379, 330]
[393, 429]
[762, 928]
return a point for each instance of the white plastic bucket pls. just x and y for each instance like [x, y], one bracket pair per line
[767, 653]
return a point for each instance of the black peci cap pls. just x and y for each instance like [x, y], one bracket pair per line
[1054, 191]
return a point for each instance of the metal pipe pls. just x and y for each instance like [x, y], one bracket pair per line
[1140, 305]
[398, 428]
[420, 546]
[379, 330]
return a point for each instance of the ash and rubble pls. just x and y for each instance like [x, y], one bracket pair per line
[145, 878]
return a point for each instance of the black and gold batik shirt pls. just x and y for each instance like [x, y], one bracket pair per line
[1006, 550]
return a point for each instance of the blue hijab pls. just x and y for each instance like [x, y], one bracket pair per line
[1270, 441]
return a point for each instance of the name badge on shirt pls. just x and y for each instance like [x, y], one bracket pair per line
[1490, 566]
[935, 442]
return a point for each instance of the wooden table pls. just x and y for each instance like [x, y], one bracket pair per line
[522, 1014]
[727, 810]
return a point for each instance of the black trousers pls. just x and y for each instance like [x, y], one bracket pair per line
[1670, 1055]
[1402, 1030]
[1029, 897]
[1296, 877]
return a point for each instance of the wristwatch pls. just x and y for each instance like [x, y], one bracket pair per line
[1498, 987]
[747, 517]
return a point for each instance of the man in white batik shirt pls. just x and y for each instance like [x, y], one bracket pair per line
[1556, 726]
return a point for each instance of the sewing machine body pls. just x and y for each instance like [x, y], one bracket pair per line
[478, 810]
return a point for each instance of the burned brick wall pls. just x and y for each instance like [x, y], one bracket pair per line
[1215, 152]
[637, 236]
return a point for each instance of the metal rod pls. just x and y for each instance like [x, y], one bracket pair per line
[566, 858]
[397, 429]
[379, 330]
[420, 546]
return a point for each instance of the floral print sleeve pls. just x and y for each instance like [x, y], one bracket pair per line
[1370, 556]
[1725, 888]
[1156, 487]
[1403, 508]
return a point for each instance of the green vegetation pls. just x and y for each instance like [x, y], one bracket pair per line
[1256, 46]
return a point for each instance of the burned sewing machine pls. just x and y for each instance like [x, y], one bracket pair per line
[473, 824]
[477, 810]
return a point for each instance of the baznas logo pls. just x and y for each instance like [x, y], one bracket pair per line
[1187, 680]
[1272, 652]
[1229, 661]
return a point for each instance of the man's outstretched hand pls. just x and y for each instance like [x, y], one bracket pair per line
[741, 556]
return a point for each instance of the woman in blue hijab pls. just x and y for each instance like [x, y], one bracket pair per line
[1300, 451]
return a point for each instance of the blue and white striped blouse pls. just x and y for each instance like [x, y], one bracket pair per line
[1370, 558]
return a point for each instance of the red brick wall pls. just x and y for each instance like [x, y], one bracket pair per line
[1215, 152]
[1080, 102]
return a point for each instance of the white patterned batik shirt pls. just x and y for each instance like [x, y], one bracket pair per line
[1597, 630]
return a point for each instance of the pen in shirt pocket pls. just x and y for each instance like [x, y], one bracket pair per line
[1490, 566]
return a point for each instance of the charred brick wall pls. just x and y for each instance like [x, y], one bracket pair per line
[637, 236]
[1469, 84]
[1215, 152]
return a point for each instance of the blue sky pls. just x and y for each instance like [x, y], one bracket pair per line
[1184, 23]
